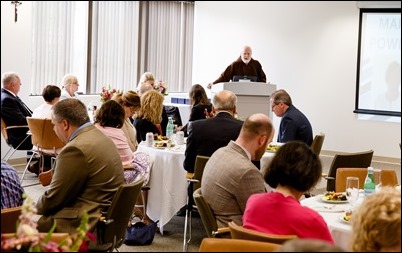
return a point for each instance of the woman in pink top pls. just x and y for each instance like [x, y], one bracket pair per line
[110, 120]
[294, 170]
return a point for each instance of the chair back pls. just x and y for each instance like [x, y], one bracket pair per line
[206, 214]
[173, 111]
[9, 218]
[3, 130]
[199, 166]
[111, 229]
[388, 177]
[239, 232]
[43, 135]
[317, 143]
[349, 160]
[235, 245]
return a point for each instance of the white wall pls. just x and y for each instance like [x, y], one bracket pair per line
[307, 48]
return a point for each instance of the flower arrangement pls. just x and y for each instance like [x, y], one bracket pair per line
[28, 238]
[107, 93]
[161, 87]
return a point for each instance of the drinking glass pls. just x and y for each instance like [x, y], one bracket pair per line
[377, 179]
[352, 190]
[189, 127]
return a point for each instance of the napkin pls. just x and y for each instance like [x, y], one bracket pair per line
[329, 208]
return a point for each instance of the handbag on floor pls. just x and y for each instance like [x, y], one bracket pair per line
[45, 178]
[140, 233]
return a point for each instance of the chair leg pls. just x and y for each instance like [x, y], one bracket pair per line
[187, 221]
[26, 167]
[6, 157]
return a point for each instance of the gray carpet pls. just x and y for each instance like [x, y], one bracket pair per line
[171, 241]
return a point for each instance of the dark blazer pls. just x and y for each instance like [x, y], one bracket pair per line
[197, 113]
[14, 113]
[207, 135]
[295, 126]
[164, 122]
[143, 126]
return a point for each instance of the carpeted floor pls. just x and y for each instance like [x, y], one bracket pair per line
[170, 241]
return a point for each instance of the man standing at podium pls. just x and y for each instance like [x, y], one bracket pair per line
[245, 65]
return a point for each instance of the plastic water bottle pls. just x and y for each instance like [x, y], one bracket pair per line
[170, 128]
[369, 183]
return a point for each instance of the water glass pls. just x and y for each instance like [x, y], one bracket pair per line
[189, 127]
[352, 190]
[377, 179]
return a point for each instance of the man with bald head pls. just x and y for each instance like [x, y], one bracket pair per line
[245, 65]
[230, 177]
[207, 135]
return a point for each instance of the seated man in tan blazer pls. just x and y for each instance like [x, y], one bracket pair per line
[86, 175]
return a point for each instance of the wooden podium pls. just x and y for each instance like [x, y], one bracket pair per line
[252, 97]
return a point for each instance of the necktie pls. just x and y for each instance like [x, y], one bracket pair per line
[25, 106]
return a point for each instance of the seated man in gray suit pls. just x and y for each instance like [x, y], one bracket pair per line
[230, 177]
[86, 175]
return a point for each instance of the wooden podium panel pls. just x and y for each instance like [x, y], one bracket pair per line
[252, 97]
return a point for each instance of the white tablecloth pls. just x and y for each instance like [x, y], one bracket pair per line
[340, 230]
[168, 184]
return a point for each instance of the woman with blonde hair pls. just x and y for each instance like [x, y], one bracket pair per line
[376, 223]
[70, 87]
[150, 115]
[131, 103]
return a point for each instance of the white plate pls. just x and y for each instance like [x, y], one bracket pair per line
[340, 217]
[324, 199]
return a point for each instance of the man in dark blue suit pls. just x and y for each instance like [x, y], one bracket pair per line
[14, 111]
[294, 124]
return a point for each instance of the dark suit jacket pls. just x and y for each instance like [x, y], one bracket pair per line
[295, 126]
[143, 126]
[164, 122]
[14, 113]
[207, 135]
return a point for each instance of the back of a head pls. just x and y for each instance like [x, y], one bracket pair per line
[281, 96]
[72, 110]
[256, 125]
[308, 245]
[51, 92]
[294, 165]
[151, 106]
[198, 95]
[144, 87]
[376, 225]
[111, 114]
[225, 100]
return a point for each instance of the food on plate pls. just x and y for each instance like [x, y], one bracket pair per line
[347, 216]
[273, 147]
[161, 138]
[163, 144]
[335, 196]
